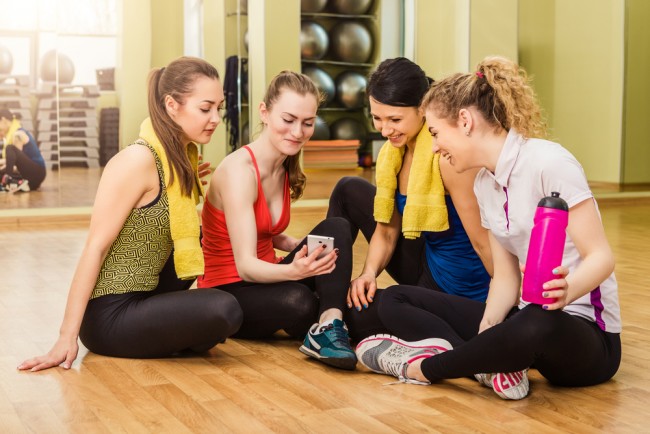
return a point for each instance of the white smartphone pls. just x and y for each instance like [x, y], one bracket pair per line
[314, 241]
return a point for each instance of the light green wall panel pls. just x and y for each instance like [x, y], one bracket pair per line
[493, 30]
[636, 155]
[166, 31]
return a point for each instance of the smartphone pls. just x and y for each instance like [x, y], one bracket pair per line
[314, 241]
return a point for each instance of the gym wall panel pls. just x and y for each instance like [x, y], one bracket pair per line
[588, 91]
[493, 30]
[636, 128]
[133, 66]
[166, 31]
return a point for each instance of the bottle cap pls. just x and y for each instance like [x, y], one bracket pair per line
[554, 201]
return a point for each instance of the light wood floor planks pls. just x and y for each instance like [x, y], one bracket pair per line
[253, 386]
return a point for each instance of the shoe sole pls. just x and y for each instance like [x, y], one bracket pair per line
[337, 362]
[440, 345]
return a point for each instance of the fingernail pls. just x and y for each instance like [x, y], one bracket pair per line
[545, 307]
[555, 271]
[544, 294]
[349, 305]
[366, 306]
[358, 308]
[369, 298]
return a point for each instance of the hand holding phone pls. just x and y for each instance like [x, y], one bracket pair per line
[315, 241]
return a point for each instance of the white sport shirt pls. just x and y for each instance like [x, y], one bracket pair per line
[527, 171]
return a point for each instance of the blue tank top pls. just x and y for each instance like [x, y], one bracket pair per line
[452, 260]
[31, 149]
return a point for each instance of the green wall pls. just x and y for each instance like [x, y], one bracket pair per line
[636, 124]
[493, 30]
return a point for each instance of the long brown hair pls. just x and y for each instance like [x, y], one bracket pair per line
[499, 89]
[302, 85]
[176, 80]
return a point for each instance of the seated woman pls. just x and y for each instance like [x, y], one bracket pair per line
[491, 119]
[422, 220]
[22, 167]
[246, 212]
[129, 296]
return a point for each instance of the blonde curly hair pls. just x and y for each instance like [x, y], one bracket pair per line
[499, 89]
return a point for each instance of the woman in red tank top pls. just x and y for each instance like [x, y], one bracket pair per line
[246, 212]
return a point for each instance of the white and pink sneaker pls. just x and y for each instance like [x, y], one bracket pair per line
[511, 385]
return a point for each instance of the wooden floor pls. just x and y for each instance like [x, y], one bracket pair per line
[250, 386]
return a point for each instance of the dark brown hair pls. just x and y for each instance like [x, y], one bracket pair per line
[499, 89]
[176, 80]
[302, 85]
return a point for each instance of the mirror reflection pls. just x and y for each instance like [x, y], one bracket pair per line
[57, 72]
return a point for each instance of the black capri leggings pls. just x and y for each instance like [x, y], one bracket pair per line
[566, 349]
[27, 169]
[159, 323]
[293, 306]
[353, 199]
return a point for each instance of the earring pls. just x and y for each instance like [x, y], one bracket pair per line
[467, 133]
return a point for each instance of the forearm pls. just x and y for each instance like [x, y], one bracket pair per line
[380, 252]
[259, 271]
[591, 272]
[502, 297]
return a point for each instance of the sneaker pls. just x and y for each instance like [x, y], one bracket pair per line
[330, 343]
[19, 185]
[512, 385]
[386, 354]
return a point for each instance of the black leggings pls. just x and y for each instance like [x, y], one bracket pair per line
[160, 323]
[293, 306]
[565, 349]
[353, 199]
[27, 168]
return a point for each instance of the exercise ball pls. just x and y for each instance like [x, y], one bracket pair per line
[351, 7]
[351, 89]
[351, 42]
[313, 40]
[6, 60]
[323, 82]
[48, 67]
[321, 130]
[347, 129]
[311, 6]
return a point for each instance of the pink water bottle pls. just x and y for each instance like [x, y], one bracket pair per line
[546, 247]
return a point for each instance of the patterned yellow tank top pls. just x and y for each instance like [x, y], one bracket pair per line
[142, 247]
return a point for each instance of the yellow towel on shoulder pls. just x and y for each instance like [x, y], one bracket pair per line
[425, 209]
[183, 215]
[9, 138]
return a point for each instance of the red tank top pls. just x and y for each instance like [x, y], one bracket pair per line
[220, 266]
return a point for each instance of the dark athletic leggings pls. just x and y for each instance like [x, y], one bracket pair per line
[353, 199]
[27, 169]
[293, 306]
[565, 349]
[160, 323]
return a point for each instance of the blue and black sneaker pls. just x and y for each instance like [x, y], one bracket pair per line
[329, 342]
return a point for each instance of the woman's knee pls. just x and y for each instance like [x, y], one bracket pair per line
[224, 314]
[337, 227]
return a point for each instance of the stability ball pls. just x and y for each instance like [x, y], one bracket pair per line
[351, 42]
[321, 130]
[351, 7]
[351, 89]
[6, 60]
[323, 82]
[311, 6]
[347, 129]
[48, 67]
[313, 40]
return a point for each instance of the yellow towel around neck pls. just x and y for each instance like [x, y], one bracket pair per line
[9, 138]
[425, 210]
[183, 215]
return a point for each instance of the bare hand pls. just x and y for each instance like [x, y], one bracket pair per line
[362, 291]
[308, 266]
[204, 170]
[63, 353]
[557, 289]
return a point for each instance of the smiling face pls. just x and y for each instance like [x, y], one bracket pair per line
[201, 111]
[290, 121]
[450, 140]
[400, 125]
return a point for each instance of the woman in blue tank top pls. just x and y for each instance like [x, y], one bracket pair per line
[22, 167]
[456, 260]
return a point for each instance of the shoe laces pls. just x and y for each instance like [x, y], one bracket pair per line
[337, 335]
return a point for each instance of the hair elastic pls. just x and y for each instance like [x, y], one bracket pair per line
[479, 74]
